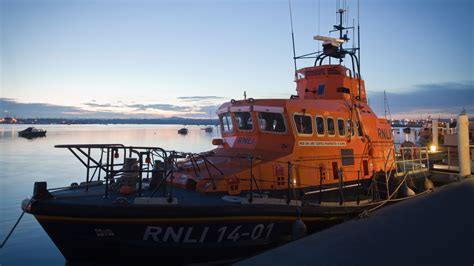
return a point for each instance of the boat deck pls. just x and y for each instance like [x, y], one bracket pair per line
[76, 201]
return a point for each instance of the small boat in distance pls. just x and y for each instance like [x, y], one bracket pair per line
[183, 131]
[32, 132]
[208, 129]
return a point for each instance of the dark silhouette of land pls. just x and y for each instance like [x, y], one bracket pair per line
[80, 121]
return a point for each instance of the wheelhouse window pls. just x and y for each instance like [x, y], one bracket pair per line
[226, 123]
[350, 129]
[303, 124]
[341, 127]
[331, 126]
[271, 122]
[320, 125]
[244, 121]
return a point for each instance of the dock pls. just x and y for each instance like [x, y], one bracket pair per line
[436, 228]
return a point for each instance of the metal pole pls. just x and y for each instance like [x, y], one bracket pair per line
[140, 176]
[358, 187]
[112, 156]
[170, 199]
[107, 174]
[289, 183]
[100, 161]
[374, 185]
[320, 184]
[250, 179]
[88, 167]
[449, 158]
[341, 176]
[165, 174]
[293, 38]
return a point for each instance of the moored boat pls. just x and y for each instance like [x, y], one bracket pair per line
[32, 132]
[282, 168]
[208, 129]
[183, 131]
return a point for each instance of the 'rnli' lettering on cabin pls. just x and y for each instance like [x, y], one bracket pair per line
[383, 133]
[246, 140]
[322, 143]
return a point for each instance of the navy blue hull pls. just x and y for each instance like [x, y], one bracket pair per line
[178, 242]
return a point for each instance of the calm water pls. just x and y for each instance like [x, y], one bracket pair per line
[23, 161]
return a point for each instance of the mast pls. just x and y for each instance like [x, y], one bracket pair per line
[358, 41]
[386, 106]
[292, 38]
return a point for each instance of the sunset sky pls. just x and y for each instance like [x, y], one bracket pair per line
[104, 58]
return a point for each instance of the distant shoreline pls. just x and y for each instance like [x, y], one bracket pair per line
[86, 121]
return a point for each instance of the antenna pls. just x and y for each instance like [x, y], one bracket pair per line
[292, 36]
[319, 20]
[353, 41]
[358, 42]
[358, 33]
[386, 106]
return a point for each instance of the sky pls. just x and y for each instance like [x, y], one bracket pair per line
[151, 59]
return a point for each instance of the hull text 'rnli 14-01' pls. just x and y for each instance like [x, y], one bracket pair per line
[282, 168]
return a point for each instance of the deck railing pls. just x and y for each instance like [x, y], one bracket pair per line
[107, 163]
[110, 168]
[411, 160]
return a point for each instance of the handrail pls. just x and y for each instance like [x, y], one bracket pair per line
[85, 153]
[403, 157]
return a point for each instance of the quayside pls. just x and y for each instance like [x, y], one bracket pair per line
[283, 168]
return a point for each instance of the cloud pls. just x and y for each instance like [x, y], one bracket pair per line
[162, 107]
[204, 112]
[98, 105]
[443, 99]
[199, 98]
[14, 108]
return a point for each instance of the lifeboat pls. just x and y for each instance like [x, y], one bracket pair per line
[310, 161]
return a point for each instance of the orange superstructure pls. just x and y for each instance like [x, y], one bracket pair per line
[326, 134]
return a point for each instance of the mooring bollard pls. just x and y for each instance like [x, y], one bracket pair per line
[463, 144]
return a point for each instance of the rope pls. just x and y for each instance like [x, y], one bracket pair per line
[11, 231]
[390, 199]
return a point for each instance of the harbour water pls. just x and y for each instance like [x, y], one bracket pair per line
[24, 161]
